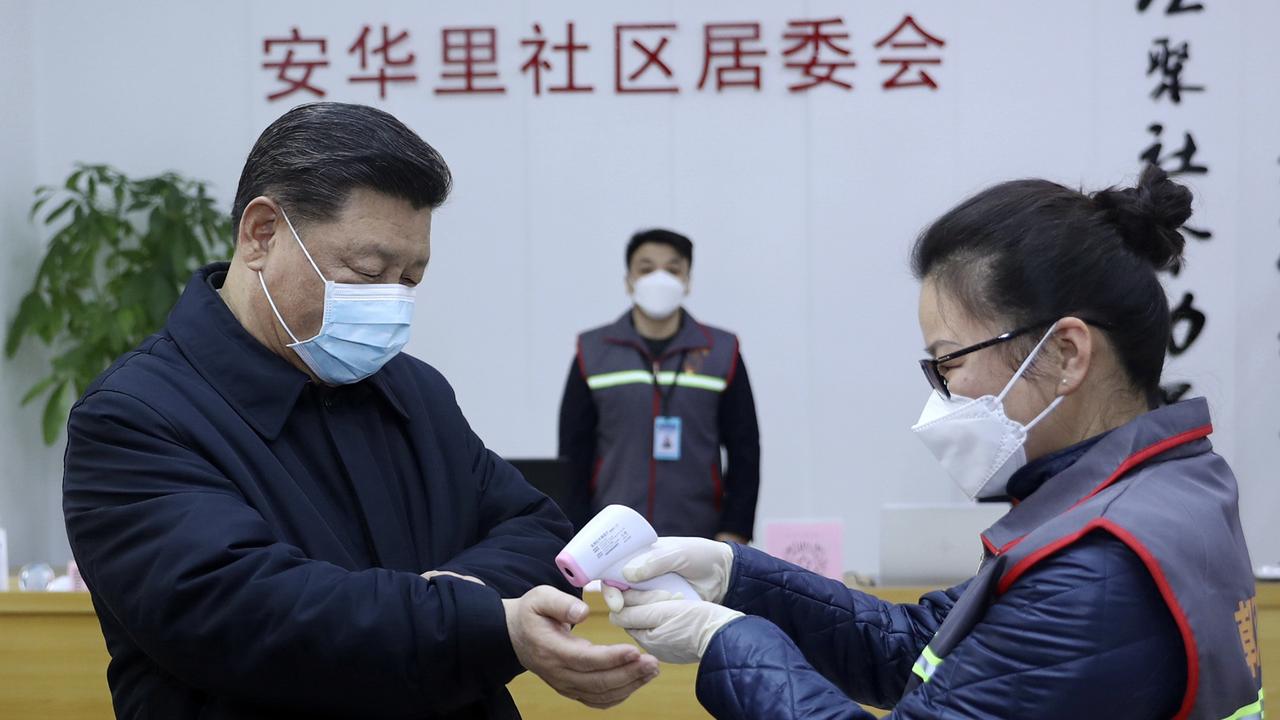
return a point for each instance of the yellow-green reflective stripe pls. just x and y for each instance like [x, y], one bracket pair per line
[1249, 712]
[642, 377]
[702, 382]
[626, 377]
[927, 664]
[928, 655]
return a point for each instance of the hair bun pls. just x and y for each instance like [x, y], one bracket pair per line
[1149, 216]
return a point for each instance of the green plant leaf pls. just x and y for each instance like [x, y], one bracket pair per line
[38, 388]
[53, 216]
[31, 315]
[74, 179]
[42, 196]
[160, 298]
[118, 254]
[56, 409]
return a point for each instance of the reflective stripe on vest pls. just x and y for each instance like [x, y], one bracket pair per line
[1252, 711]
[928, 663]
[644, 377]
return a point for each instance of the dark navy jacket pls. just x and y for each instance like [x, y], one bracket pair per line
[253, 542]
[1084, 634]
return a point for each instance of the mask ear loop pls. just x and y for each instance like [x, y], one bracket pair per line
[279, 317]
[304, 247]
[1026, 363]
[1022, 369]
[267, 292]
[1056, 402]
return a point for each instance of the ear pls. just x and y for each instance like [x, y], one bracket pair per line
[257, 231]
[630, 282]
[1073, 339]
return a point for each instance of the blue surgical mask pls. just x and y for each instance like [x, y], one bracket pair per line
[364, 326]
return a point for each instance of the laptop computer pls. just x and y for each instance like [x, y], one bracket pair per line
[935, 545]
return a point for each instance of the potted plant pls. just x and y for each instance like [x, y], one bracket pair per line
[119, 254]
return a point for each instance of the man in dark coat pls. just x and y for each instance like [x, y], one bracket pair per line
[279, 514]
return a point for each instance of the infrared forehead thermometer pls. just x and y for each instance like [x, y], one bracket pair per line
[604, 546]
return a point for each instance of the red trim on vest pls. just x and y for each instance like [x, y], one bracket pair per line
[1179, 617]
[653, 462]
[733, 369]
[717, 484]
[1146, 454]
[1001, 550]
[1027, 562]
[582, 362]
[1157, 574]
[711, 340]
[595, 475]
[991, 548]
[1129, 463]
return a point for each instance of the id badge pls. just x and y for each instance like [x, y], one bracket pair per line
[666, 438]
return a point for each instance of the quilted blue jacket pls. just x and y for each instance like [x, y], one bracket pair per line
[1084, 634]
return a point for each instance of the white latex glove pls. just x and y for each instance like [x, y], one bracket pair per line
[671, 628]
[706, 564]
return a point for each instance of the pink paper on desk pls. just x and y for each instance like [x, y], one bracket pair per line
[815, 546]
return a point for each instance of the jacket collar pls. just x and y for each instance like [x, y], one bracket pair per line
[261, 386]
[1173, 431]
[691, 336]
[1032, 476]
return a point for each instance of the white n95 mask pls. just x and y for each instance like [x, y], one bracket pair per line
[364, 326]
[976, 443]
[659, 294]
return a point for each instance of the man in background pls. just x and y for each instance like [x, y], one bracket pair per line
[651, 400]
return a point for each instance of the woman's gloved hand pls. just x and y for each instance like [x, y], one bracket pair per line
[669, 627]
[706, 564]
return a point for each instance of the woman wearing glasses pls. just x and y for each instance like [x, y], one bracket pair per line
[1118, 585]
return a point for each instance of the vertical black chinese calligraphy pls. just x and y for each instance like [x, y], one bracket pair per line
[1169, 61]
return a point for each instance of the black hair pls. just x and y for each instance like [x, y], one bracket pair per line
[312, 157]
[681, 244]
[1031, 251]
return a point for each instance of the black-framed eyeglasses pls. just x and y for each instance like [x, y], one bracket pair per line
[939, 382]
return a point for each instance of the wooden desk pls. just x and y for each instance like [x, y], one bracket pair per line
[672, 691]
[53, 662]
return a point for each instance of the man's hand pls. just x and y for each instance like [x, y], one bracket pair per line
[597, 676]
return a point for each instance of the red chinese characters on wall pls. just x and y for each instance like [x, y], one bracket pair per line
[469, 61]
[818, 51]
[393, 66]
[811, 54]
[294, 71]
[539, 61]
[727, 52]
[910, 47]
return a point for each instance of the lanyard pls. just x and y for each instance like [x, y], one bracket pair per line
[671, 389]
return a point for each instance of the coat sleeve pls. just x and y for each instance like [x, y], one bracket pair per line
[1083, 634]
[870, 655]
[578, 421]
[201, 584]
[521, 529]
[740, 435]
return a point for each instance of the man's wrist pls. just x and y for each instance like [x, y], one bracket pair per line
[484, 629]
